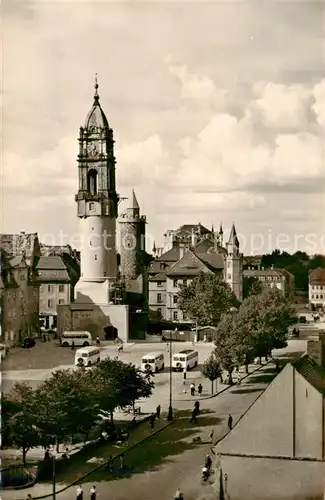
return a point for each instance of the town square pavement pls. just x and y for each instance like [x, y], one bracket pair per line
[184, 470]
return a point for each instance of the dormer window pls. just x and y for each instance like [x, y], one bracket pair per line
[91, 206]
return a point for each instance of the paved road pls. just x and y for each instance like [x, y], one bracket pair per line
[181, 470]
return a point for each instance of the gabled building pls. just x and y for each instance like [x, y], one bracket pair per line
[281, 279]
[188, 258]
[57, 281]
[282, 433]
[19, 289]
[316, 288]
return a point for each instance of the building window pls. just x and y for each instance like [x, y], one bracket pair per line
[316, 296]
[321, 296]
[175, 315]
[159, 310]
[159, 297]
[175, 299]
[50, 288]
[174, 283]
[313, 296]
[321, 287]
[91, 206]
[159, 283]
[50, 303]
[95, 257]
[229, 276]
[61, 301]
[162, 266]
[92, 183]
[61, 288]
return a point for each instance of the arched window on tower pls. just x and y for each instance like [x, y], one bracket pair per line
[92, 181]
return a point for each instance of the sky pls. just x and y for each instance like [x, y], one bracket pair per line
[218, 111]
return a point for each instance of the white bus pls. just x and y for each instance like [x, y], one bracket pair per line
[185, 359]
[154, 361]
[87, 356]
[77, 338]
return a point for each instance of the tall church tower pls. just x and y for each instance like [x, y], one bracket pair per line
[97, 203]
[234, 265]
[132, 247]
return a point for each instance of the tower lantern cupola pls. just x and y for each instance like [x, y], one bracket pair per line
[97, 200]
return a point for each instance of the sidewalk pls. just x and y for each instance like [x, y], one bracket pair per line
[219, 387]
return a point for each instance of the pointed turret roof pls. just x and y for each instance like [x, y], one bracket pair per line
[154, 247]
[233, 240]
[134, 202]
[96, 116]
[212, 228]
[220, 230]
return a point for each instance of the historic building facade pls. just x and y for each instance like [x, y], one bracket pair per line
[316, 288]
[19, 288]
[273, 278]
[194, 250]
[101, 303]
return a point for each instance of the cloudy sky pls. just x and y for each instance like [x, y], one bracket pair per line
[218, 110]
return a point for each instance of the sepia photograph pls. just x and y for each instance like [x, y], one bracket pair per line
[162, 250]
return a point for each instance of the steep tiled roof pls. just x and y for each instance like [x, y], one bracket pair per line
[317, 276]
[189, 265]
[52, 269]
[158, 277]
[264, 272]
[172, 255]
[207, 245]
[213, 260]
[252, 260]
[17, 244]
[188, 228]
[311, 372]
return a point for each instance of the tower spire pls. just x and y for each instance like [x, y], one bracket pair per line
[96, 96]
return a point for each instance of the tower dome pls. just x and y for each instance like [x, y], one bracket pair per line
[96, 116]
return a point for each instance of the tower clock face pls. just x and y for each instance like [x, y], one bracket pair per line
[129, 242]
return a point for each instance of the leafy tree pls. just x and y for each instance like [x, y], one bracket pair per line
[120, 384]
[211, 370]
[67, 404]
[20, 424]
[251, 286]
[205, 299]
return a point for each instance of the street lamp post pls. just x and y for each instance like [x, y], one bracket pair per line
[53, 477]
[170, 409]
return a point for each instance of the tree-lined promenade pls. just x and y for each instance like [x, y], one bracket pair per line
[68, 404]
[244, 330]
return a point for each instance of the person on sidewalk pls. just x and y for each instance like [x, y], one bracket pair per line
[80, 493]
[29, 497]
[230, 422]
[192, 387]
[97, 340]
[184, 373]
[158, 410]
[122, 465]
[211, 435]
[93, 493]
[199, 389]
[178, 495]
[152, 419]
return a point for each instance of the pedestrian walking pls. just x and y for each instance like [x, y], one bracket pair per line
[230, 422]
[194, 416]
[80, 493]
[93, 493]
[97, 340]
[199, 389]
[152, 419]
[178, 495]
[158, 410]
[197, 406]
[110, 464]
[29, 497]
[122, 462]
[184, 373]
[192, 387]
[211, 436]
[72, 346]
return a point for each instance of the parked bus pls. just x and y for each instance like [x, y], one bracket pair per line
[185, 359]
[78, 338]
[154, 361]
[87, 356]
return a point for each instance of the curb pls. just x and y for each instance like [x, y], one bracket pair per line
[126, 450]
[273, 457]
[229, 386]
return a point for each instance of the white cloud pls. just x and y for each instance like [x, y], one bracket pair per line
[319, 105]
[193, 86]
[281, 106]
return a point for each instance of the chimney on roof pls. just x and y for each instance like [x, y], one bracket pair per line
[316, 348]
